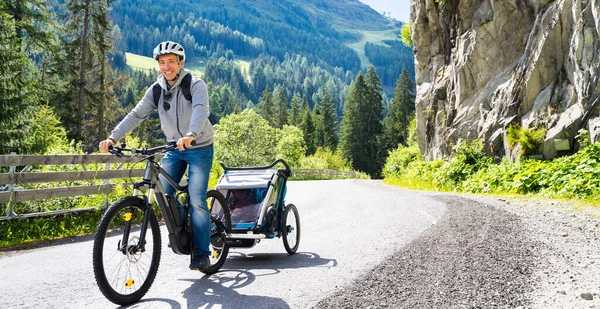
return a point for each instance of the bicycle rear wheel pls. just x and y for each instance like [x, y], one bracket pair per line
[125, 260]
[220, 227]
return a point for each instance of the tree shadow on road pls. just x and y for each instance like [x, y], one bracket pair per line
[239, 260]
[219, 290]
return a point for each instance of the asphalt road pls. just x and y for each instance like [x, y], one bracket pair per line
[348, 227]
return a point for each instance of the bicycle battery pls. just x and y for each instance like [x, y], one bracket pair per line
[178, 235]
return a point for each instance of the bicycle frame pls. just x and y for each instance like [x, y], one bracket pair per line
[179, 236]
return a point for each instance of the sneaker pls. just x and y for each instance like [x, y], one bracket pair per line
[199, 262]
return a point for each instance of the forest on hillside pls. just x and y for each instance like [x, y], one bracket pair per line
[65, 80]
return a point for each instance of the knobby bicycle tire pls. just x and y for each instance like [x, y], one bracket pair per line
[128, 287]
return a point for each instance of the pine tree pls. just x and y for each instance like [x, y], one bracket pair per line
[11, 91]
[216, 108]
[295, 113]
[130, 97]
[397, 121]
[27, 27]
[374, 122]
[33, 23]
[104, 102]
[308, 128]
[352, 136]
[227, 101]
[361, 124]
[36, 36]
[282, 109]
[266, 106]
[304, 105]
[317, 118]
[87, 101]
[83, 57]
[328, 125]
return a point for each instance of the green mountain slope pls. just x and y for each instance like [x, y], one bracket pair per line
[346, 14]
[249, 28]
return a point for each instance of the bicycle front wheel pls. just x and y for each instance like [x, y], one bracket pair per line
[126, 251]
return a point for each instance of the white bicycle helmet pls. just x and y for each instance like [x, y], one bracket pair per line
[169, 47]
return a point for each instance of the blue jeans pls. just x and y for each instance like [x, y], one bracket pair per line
[199, 161]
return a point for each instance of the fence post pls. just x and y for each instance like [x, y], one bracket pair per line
[11, 188]
[105, 182]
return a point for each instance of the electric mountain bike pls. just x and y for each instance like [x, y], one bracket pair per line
[127, 244]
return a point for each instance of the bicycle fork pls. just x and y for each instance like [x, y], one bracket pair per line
[124, 243]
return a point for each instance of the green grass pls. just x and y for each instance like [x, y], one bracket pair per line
[244, 64]
[138, 62]
[374, 37]
[414, 184]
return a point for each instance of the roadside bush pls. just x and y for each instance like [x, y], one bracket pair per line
[468, 158]
[398, 160]
[429, 175]
[530, 176]
[577, 176]
[494, 178]
[290, 145]
[471, 170]
[325, 158]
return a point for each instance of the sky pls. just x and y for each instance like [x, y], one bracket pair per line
[399, 9]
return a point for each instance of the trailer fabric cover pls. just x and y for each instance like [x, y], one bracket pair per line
[247, 179]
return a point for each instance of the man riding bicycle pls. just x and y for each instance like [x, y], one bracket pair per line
[184, 121]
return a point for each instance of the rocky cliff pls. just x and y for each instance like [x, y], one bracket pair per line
[484, 65]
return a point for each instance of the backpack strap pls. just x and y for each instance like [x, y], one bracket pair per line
[156, 93]
[185, 85]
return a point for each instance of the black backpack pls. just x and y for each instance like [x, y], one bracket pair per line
[185, 85]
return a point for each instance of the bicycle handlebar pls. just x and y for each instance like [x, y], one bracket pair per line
[118, 151]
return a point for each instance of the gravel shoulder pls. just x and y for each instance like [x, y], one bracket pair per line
[489, 253]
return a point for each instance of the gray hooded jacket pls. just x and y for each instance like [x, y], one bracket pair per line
[181, 117]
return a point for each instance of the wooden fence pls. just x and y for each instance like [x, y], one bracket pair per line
[19, 167]
[19, 172]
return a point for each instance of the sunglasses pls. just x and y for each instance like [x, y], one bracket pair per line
[167, 96]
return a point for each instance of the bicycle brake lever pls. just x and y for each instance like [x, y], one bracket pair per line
[170, 146]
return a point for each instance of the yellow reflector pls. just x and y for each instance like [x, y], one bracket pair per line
[215, 254]
[129, 283]
[127, 216]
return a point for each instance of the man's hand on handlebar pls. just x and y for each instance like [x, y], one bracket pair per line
[185, 142]
[105, 144]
